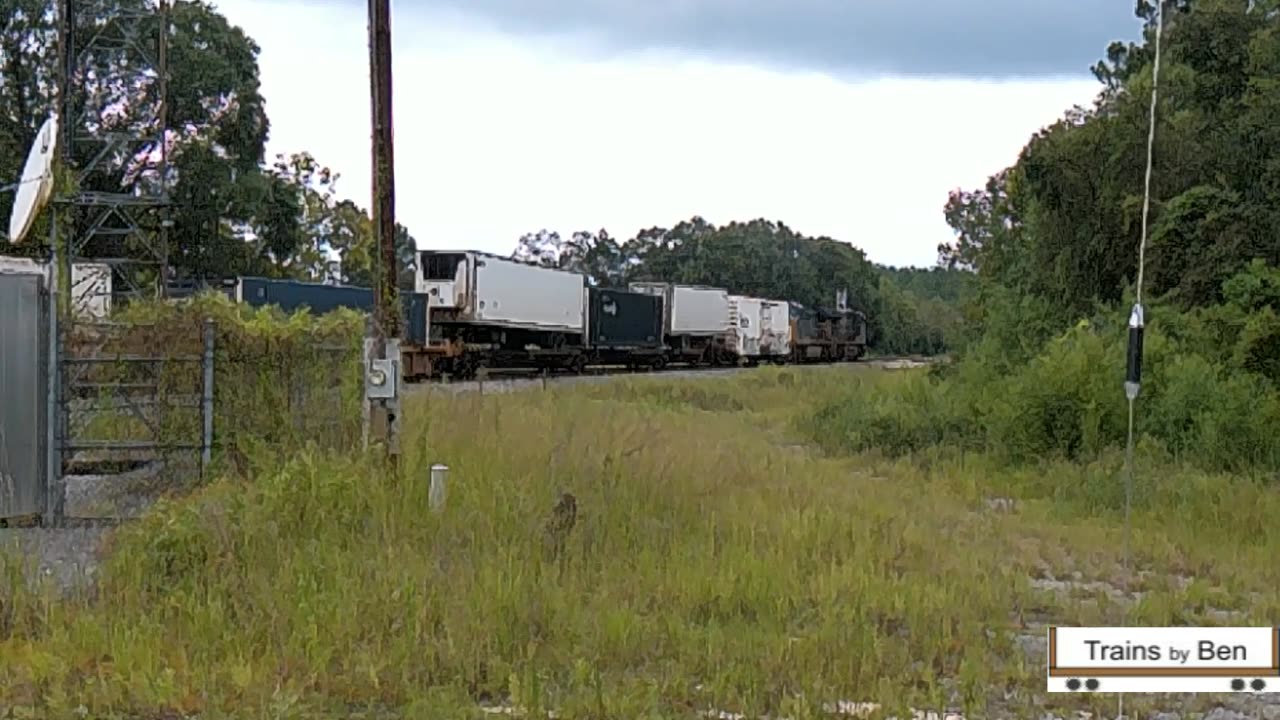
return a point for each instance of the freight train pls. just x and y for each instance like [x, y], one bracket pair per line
[472, 310]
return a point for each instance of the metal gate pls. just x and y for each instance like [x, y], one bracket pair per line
[24, 377]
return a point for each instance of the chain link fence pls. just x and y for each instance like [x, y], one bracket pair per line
[186, 389]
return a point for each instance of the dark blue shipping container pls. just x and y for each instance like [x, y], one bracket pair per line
[415, 330]
[622, 319]
[292, 295]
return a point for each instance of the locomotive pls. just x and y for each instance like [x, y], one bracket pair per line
[472, 310]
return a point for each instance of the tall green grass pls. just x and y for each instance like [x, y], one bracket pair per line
[716, 563]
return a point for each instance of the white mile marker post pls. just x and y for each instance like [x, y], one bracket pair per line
[439, 487]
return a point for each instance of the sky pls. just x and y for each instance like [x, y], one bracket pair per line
[847, 118]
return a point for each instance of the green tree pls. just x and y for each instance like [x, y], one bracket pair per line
[760, 258]
[335, 237]
[594, 254]
[1064, 222]
[232, 215]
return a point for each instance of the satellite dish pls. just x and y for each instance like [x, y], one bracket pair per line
[36, 184]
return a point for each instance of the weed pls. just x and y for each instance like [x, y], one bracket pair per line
[707, 567]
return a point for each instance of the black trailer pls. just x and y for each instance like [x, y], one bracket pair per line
[625, 327]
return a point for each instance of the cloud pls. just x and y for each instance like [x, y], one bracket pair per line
[499, 135]
[924, 38]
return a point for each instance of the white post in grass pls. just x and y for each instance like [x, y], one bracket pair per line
[439, 481]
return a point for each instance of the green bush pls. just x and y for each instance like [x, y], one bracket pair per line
[1067, 401]
[898, 415]
[1212, 419]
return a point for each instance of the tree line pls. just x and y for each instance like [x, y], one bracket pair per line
[908, 310]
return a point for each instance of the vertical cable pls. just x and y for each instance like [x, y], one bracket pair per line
[1151, 144]
[1137, 323]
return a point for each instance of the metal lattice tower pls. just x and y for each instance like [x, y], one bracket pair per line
[113, 58]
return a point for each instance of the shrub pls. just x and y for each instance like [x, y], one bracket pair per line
[1212, 419]
[897, 415]
[1067, 401]
[281, 382]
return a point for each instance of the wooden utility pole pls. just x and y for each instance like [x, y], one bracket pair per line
[386, 315]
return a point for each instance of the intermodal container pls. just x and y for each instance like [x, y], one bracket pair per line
[694, 310]
[418, 327]
[484, 289]
[292, 295]
[620, 319]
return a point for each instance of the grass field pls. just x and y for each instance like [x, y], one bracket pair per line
[719, 560]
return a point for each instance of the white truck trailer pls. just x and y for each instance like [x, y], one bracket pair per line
[697, 319]
[483, 309]
[762, 329]
[775, 330]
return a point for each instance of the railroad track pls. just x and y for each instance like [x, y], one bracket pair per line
[506, 380]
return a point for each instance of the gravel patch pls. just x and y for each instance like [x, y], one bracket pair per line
[70, 557]
[66, 557]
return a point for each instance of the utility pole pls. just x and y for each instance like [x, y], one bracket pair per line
[382, 351]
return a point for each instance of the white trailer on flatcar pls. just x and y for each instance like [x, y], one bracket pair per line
[483, 289]
[486, 310]
[697, 319]
[775, 329]
[745, 313]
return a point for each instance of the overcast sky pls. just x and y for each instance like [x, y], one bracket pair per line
[849, 118]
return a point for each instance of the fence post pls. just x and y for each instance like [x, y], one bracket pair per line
[57, 409]
[206, 440]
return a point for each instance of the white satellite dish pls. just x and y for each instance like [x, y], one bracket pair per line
[36, 184]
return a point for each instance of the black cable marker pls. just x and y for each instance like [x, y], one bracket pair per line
[1133, 371]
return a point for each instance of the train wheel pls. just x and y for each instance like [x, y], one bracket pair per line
[578, 365]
